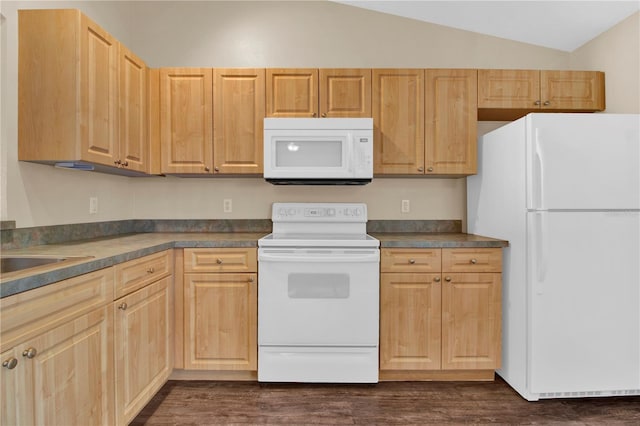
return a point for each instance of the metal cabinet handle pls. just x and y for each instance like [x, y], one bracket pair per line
[437, 279]
[150, 270]
[123, 306]
[206, 168]
[473, 261]
[216, 169]
[430, 169]
[447, 279]
[546, 103]
[324, 114]
[30, 353]
[421, 169]
[219, 261]
[412, 261]
[10, 363]
[537, 102]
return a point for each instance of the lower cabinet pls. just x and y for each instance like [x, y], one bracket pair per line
[143, 347]
[220, 309]
[444, 323]
[63, 376]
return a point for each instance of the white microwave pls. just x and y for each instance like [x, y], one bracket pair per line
[318, 151]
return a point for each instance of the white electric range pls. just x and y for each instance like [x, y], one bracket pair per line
[318, 295]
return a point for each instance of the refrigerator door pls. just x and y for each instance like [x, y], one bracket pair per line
[583, 161]
[584, 285]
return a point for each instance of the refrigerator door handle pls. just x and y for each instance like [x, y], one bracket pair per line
[539, 184]
[541, 248]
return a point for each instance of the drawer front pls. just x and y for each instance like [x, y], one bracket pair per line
[410, 260]
[28, 314]
[137, 273]
[472, 260]
[220, 260]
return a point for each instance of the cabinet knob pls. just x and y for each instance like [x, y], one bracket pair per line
[117, 162]
[313, 114]
[219, 261]
[250, 279]
[437, 279]
[215, 169]
[30, 353]
[421, 169]
[150, 270]
[123, 306]
[125, 163]
[206, 169]
[537, 102]
[473, 261]
[430, 169]
[10, 363]
[546, 103]
[412, 261]
[324, 114]
[447, 279]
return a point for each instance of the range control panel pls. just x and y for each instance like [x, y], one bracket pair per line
[319, 212]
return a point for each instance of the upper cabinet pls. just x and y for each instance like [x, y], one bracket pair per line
[510, 94]
[325, 92]
[76, 88]
[186, 120]
[425, 121]
[238, 108]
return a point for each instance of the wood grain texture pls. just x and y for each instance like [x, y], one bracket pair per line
[292, 92]
[220, 260]
[410, 260]
[137, 273]
[153, 125]
[472, 260]
[572, 90]
[345, 92]
[134, 143]
[415, 403]
[509, 89]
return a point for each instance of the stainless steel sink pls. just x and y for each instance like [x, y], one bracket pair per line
[10, 264]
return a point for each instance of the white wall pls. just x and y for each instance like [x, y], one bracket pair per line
[246, 34]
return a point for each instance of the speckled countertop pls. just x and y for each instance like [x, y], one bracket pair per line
[100, 253]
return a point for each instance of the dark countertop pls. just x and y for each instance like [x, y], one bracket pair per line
[105, 252]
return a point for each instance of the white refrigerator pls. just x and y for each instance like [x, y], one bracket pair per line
[564, 190]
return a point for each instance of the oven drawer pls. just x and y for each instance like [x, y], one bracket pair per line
[410, 260]
[220, 260]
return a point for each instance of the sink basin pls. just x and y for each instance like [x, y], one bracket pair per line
[10, 264]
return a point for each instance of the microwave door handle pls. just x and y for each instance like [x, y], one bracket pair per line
[350, 142]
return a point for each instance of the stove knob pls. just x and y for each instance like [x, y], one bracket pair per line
[291, 212]
[282, 212]
[331, 212]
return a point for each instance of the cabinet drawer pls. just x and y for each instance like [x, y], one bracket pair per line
[137, 273]
[220, 260]
[472, 260]
[27, 314]
[410, 260]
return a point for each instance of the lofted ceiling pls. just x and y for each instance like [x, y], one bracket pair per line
[562, 25]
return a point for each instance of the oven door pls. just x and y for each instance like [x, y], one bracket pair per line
[318, 297]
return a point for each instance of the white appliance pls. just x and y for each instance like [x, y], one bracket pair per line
[564, 190]
[318, 295]
[318, 151]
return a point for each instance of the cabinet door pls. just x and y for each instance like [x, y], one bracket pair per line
[238, 139]
[292, 92]
[451, 109]
[220, 315]
[134, 144]
[16, 402]
[345, 92]
[398, 117]
[143, 347]
[410, 321]
[69, 372]
[99, 53]
[511, 89]
[572, 90]
[186, 120]
[471, 327]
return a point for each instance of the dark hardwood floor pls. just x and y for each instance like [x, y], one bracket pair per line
[388, 403]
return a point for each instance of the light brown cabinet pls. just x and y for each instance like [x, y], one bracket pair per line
[510, 94]
[425, 121]
[324, 92]
[440, 313]
[81, 94]
[57, 353]
[220, 309]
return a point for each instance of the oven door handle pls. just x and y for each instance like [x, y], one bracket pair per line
[318, 256]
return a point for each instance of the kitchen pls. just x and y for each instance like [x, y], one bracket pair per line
[31, 200]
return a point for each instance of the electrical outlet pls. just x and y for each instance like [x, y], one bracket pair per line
[406, 208]
[93, 205]
[227, 205]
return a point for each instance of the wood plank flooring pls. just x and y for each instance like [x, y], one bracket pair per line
[389, 403]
